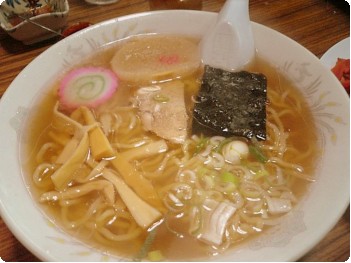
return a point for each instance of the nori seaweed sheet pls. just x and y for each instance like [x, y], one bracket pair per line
[231, 104]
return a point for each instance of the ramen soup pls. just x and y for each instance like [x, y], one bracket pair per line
[111, 156]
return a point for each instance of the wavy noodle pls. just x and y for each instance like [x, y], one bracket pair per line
[127, 135]
[43, 152]
[215, 195]
[42, 173]
[165, 164]
[66, 211]
[77, 191]
[117, 123]
[299, 155]
[132, 233]
[106, 120]
[94, 173]
[286, 165]
[150, 163]
[135, 143]
[169, 172]
[285, 113]
[240, 171]
[279, 134]
[114, 226]
[251, 190]
[127, 228]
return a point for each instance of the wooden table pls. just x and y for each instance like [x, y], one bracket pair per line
[315, 24]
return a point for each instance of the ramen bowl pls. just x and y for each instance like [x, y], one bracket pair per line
[51, 14]
[303, 227]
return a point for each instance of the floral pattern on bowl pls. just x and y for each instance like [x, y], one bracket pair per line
[49, 13]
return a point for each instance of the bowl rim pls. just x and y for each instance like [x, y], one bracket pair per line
[38, 251]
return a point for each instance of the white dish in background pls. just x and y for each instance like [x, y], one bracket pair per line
[339, 50]
[303, 228]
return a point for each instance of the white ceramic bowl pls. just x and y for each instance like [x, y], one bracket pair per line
[307, 224]
[30, 33]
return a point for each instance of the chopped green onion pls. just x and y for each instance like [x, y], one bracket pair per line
[146, 246]
[228, 177]
[201, 144]
[257, 152]
[259, 174]
[155, 255]
[222, 143]
[161, 98]
[228, 187]
[202, 171]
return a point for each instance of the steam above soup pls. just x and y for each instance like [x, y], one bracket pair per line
[113, 158]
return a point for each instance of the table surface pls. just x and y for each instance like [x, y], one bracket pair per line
[315, 24]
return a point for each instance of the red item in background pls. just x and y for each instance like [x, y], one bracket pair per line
[74, 28]
[342, 71]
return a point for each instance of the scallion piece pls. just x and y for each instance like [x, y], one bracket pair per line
[160, 98]
[228, 177]
[144, 250]
[201, 144]
[258, 154]
[155, 255]
[259, 174]
[222, 143]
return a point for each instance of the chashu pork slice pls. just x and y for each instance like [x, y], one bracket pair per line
[162, 110]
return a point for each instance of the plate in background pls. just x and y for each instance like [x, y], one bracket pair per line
[339, 50]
